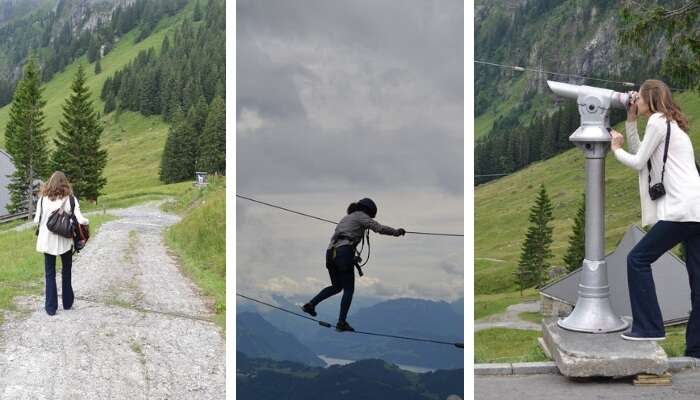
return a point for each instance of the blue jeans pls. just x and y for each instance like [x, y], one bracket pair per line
[341, 269]
[663, 236]
[51, 303]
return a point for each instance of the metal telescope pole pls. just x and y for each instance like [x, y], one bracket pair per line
[593, 312]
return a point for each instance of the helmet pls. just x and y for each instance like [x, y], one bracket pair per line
[369, 206]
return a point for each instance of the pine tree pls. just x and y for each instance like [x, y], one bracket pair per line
[25, 137]
[533, 264]
[98, 67]
[197, 14]
[78, 153]
[178, 160]
[577, 241]
[93, 51]
[212, 143]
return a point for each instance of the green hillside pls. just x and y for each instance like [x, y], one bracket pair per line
[134, 142]
[502, 207]
[199, 239]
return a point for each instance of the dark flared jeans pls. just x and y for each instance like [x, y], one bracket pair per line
[663, 236]
[51, 303]
[341, 268]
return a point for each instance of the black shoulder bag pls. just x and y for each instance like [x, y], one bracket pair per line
[61, 223]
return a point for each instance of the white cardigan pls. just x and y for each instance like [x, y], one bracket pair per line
[47, 241]
[681, 180]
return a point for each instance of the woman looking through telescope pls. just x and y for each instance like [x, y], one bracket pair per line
[669, 189]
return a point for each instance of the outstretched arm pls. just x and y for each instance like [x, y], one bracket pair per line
[383, 229]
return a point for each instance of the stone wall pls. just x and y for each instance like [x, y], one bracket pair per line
[551, 307]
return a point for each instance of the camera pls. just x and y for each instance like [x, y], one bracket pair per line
[657, 191]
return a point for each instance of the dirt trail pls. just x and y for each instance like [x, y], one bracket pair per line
[510, 318]
[138, 328]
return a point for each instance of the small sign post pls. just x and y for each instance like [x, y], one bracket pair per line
[200, 179]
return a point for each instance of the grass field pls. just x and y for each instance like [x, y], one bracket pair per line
[502, 208]
[24, 275]
[200, 240]
[502, 345]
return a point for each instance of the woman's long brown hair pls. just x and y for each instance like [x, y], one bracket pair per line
[658, 97]
[57, 186]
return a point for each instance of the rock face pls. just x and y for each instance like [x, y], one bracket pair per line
[585, 354]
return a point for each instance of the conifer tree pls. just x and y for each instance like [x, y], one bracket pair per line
[197, 14]
[577, 241]
[98, 67]
[178, 160]
[533, 264]
[78, 153]
[212, 142]
[25, 138]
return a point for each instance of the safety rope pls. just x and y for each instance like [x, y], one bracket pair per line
[334, 222]
[523, 69]
[328, 325]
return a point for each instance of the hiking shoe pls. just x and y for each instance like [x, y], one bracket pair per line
[633, 336]
[343, 326]
[309, 309]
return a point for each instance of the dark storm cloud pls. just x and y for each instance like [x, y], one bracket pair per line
[383, 88]
[337, 100]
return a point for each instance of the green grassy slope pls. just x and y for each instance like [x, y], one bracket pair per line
[200, 241]
[502, 207]
[134, 142]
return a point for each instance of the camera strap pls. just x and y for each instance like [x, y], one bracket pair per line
[663, 169]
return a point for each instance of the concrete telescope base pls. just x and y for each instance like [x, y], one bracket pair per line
[579, 354]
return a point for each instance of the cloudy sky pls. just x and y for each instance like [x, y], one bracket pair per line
[339, 100]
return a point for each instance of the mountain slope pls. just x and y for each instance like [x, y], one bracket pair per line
[567, 36]
[134, 142]
[262, 379]
[256, 337]
[404, 317]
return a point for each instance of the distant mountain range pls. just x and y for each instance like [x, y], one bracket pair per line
[263, 379]
[405, 317]
[256, 337]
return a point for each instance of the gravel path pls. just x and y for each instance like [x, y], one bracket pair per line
[138, 328]
[510, 318]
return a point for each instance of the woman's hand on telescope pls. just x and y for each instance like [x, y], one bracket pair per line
[617, 140]
[632, 109]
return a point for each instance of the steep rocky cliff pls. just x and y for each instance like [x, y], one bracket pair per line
[568, 36]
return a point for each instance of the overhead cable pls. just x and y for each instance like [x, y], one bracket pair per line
[523, 69]
[334, 222]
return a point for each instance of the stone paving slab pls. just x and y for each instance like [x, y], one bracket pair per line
[580, 354]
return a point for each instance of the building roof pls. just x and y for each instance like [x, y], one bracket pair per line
[670, 279]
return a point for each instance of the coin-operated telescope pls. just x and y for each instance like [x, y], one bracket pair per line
[593, 312]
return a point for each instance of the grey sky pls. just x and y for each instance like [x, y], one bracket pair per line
[338, 100]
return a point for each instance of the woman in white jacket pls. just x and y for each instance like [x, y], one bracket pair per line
[56, 194]
[675, 215]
